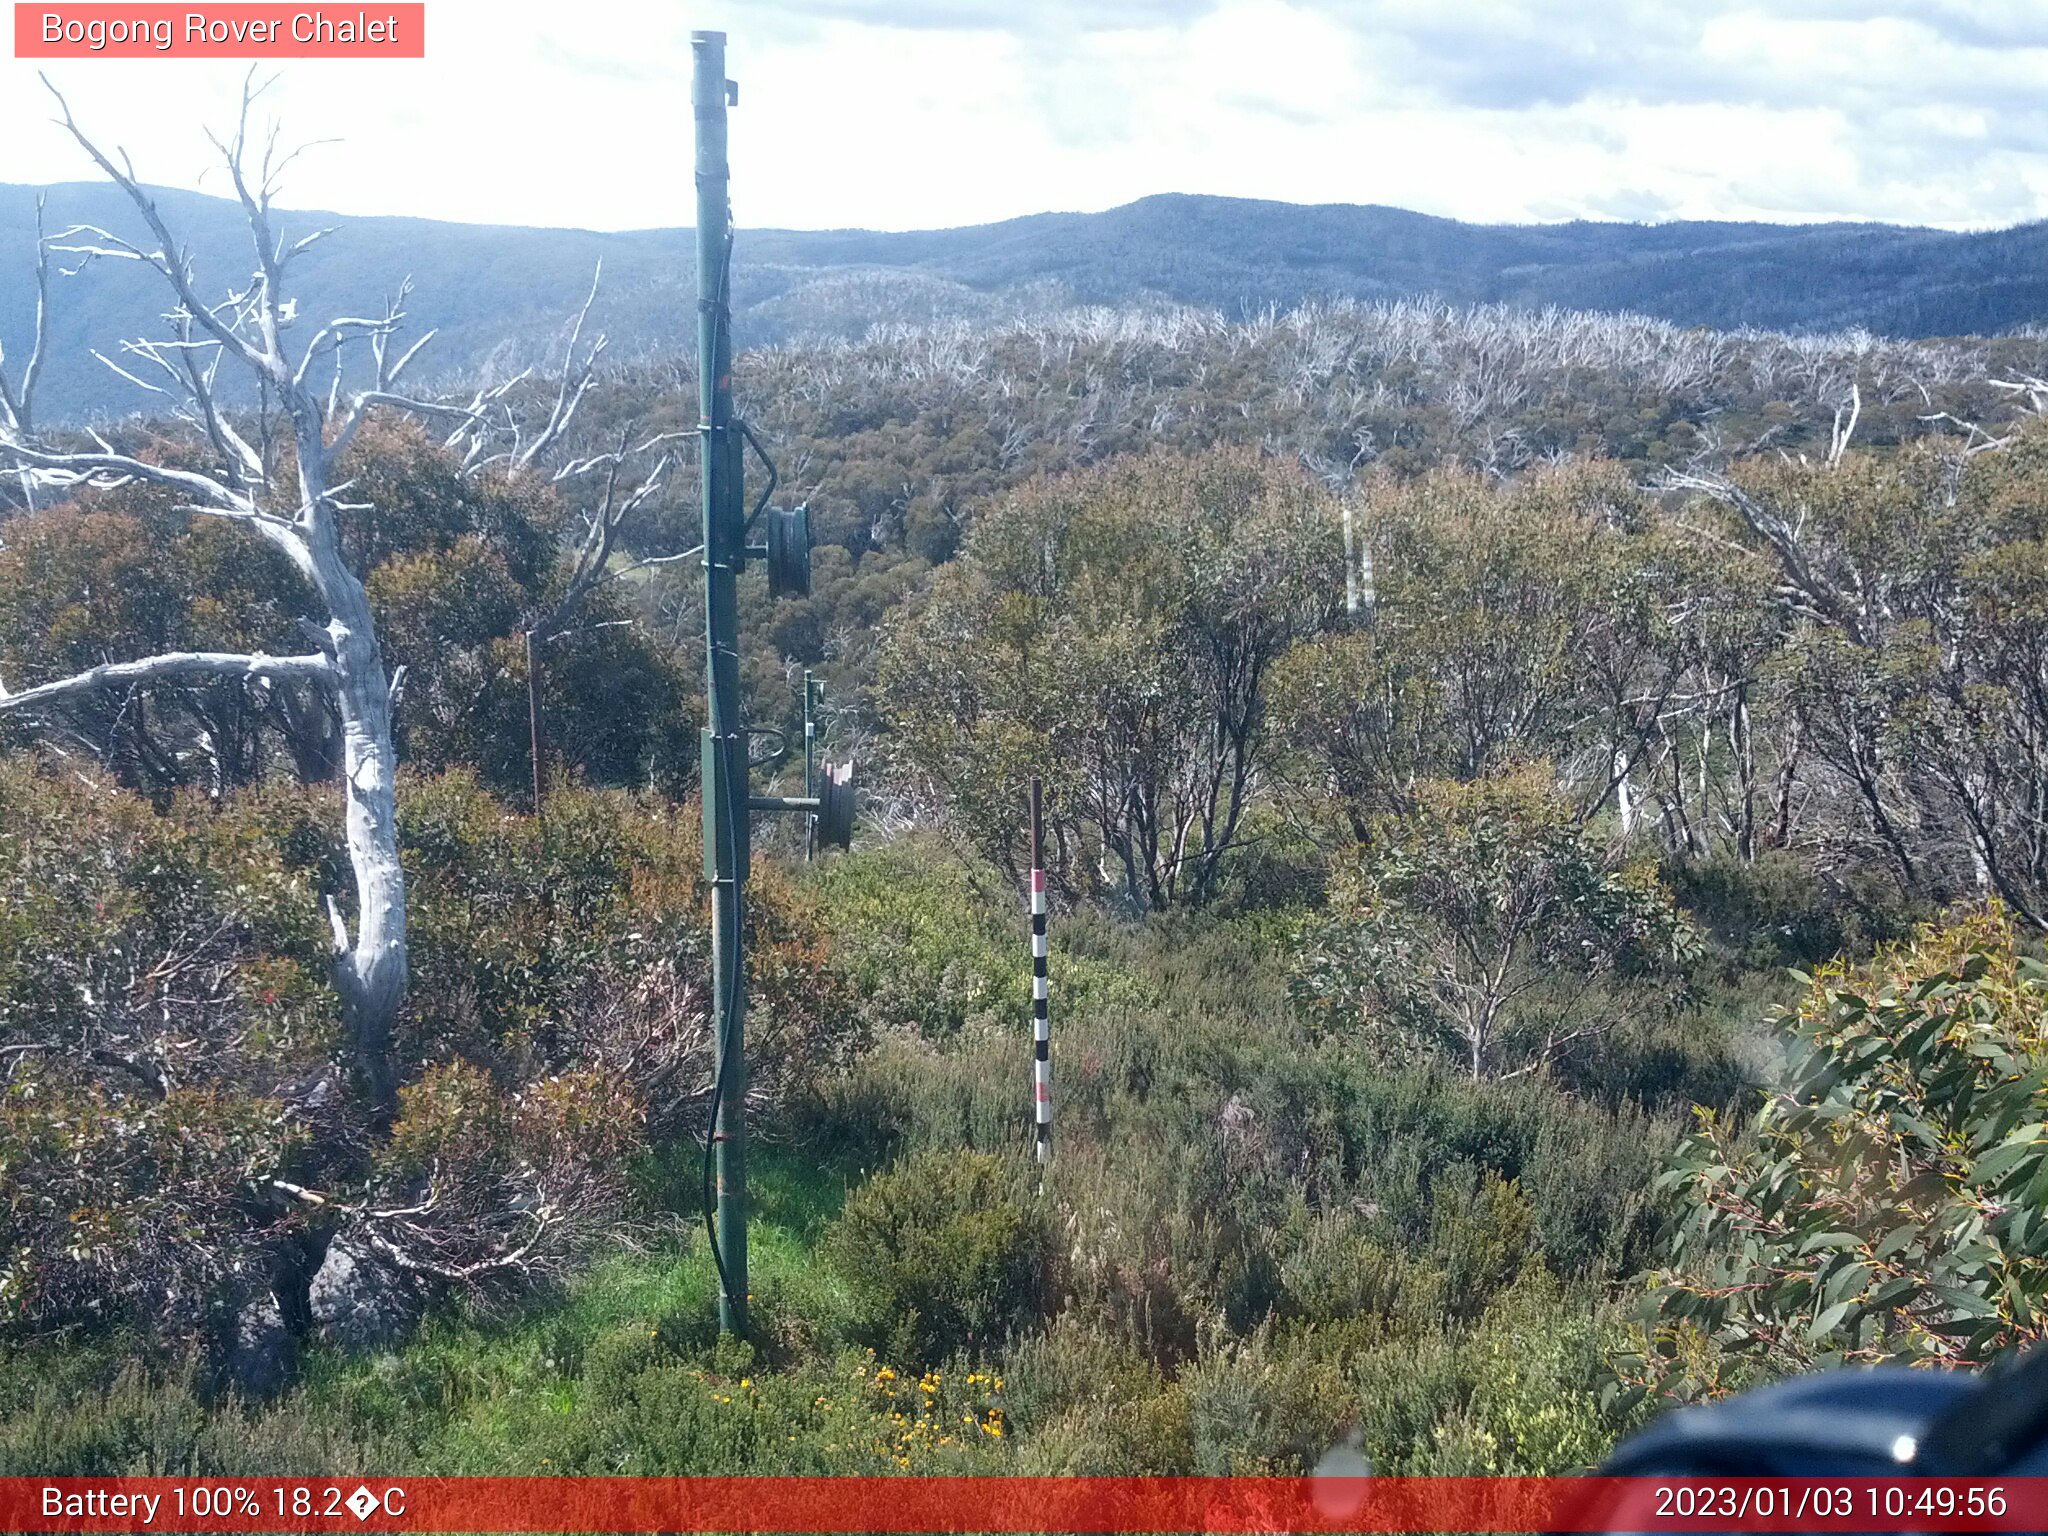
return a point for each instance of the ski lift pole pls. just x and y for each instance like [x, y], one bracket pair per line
[831, 804]
[724, 756]
[1041, 1022]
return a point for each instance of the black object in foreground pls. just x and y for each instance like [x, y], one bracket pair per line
[1882, 1421]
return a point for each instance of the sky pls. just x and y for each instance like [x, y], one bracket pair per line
[911, 114]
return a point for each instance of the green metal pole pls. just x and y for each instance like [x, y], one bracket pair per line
[724, 756]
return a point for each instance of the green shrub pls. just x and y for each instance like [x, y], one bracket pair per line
[1534, 1367]
[1148, 1435]
[1487, 927]
[1260, 1410]
[907, 1095]
[174, 1056]
[1173, 1241]
[1085, 1401]
[146, 1419]
[1516, 1395]
[1584, 1170]
[1777, 909]
[945, 1253]
[168, 1027]
[1114, 630]
[1481, 1232]
[1342, 1273]
[580, 944]
[1885, 1204]
[913, 935]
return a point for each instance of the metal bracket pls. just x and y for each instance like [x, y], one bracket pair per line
[774, 475]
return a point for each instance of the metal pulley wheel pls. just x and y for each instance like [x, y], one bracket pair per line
[836, 807]
[789, 551]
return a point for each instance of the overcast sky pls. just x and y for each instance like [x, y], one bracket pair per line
[902, 114]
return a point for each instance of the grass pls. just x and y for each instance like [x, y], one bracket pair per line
[471, 1391]
[1193, 1277]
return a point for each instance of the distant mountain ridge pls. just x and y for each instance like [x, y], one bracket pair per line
[499, 293]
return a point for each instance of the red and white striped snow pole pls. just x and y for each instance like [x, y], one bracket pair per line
[1041, 1023]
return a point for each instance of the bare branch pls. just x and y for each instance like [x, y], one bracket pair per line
[360, 407]
[404, 362]
[1975, 439]
[496, 1263]
[1782, 535]
[594, 556]
[107, 468]
[175, 664]
[332, 337]
[17, 405]
[576, 380]
[2036, 391]
[305, 242]
[1845, 429]
[175, 269]
[154, 389]
[107, 246]
[256, 208]
[243, 463]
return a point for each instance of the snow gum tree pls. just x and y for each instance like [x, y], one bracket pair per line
[272, 471]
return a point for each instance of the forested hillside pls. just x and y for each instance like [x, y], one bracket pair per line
[1457, 723]
[489, 289]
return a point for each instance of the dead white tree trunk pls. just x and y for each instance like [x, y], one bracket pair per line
[292, 504]
[17, 401]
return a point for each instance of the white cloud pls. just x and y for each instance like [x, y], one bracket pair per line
[921, 113]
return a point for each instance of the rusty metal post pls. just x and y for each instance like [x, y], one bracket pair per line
[535, 746]
[1041, 1021]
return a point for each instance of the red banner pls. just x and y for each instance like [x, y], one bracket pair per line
[239, 31]
[1020, 1504]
